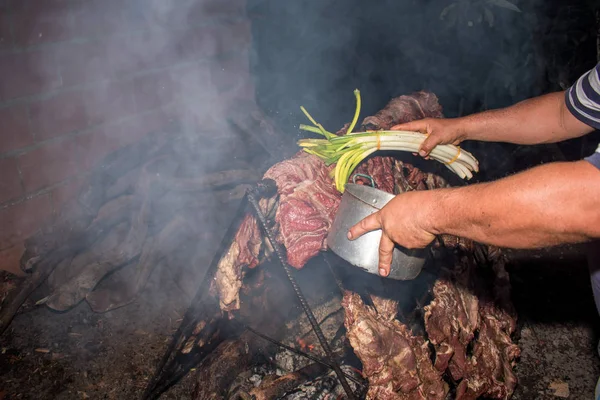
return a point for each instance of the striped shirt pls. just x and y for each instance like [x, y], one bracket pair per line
[583, 100]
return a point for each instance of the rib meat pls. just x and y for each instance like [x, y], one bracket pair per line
[489, 372]
[467, 312]
[451, 320]
[397, 364]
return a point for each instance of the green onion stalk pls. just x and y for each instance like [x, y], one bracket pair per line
[348, 151]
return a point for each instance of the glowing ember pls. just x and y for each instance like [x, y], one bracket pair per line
[305, 345]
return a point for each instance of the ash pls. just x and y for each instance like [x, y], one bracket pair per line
[325, 387]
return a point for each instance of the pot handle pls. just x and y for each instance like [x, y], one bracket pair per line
[369, 177]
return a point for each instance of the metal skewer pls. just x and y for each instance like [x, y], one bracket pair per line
[253, 200]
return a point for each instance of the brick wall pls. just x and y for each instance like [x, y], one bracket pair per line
[79, 78]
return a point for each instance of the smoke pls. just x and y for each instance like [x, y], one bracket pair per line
[96, 75]
[186, 58]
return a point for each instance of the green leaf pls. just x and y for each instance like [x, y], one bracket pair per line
[504, 4]
[356, 112]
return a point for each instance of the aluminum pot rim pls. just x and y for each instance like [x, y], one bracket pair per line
[353, 189]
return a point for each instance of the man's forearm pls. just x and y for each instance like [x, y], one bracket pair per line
[543, 119]
[547, 205]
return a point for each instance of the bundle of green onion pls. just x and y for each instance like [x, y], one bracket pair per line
[350, 150]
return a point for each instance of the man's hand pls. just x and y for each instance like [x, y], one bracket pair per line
[404, 220]
[438, 131]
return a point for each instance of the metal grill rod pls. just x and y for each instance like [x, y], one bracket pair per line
[253, 200]
[301, 353]
[161, 380]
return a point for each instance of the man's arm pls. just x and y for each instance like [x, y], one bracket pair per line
[544, 119]
[547, 205]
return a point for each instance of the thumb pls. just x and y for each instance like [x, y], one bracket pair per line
[429, 144]
[386, 249]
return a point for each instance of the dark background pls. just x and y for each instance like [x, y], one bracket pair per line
[474, 55]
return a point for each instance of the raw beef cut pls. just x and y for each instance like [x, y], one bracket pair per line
[451, 320]
[472, 311]
[396, 363]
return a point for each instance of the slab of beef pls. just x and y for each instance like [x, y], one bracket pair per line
[404, 109]
[451, 320]
[471, 310]
[308, 200]
[307, 203]
[396, 363]
[489, 372]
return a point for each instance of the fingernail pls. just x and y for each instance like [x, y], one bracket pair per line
[382, 272]
[422, 153]
[349, 235]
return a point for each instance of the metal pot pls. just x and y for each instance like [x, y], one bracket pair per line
[358, 202]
